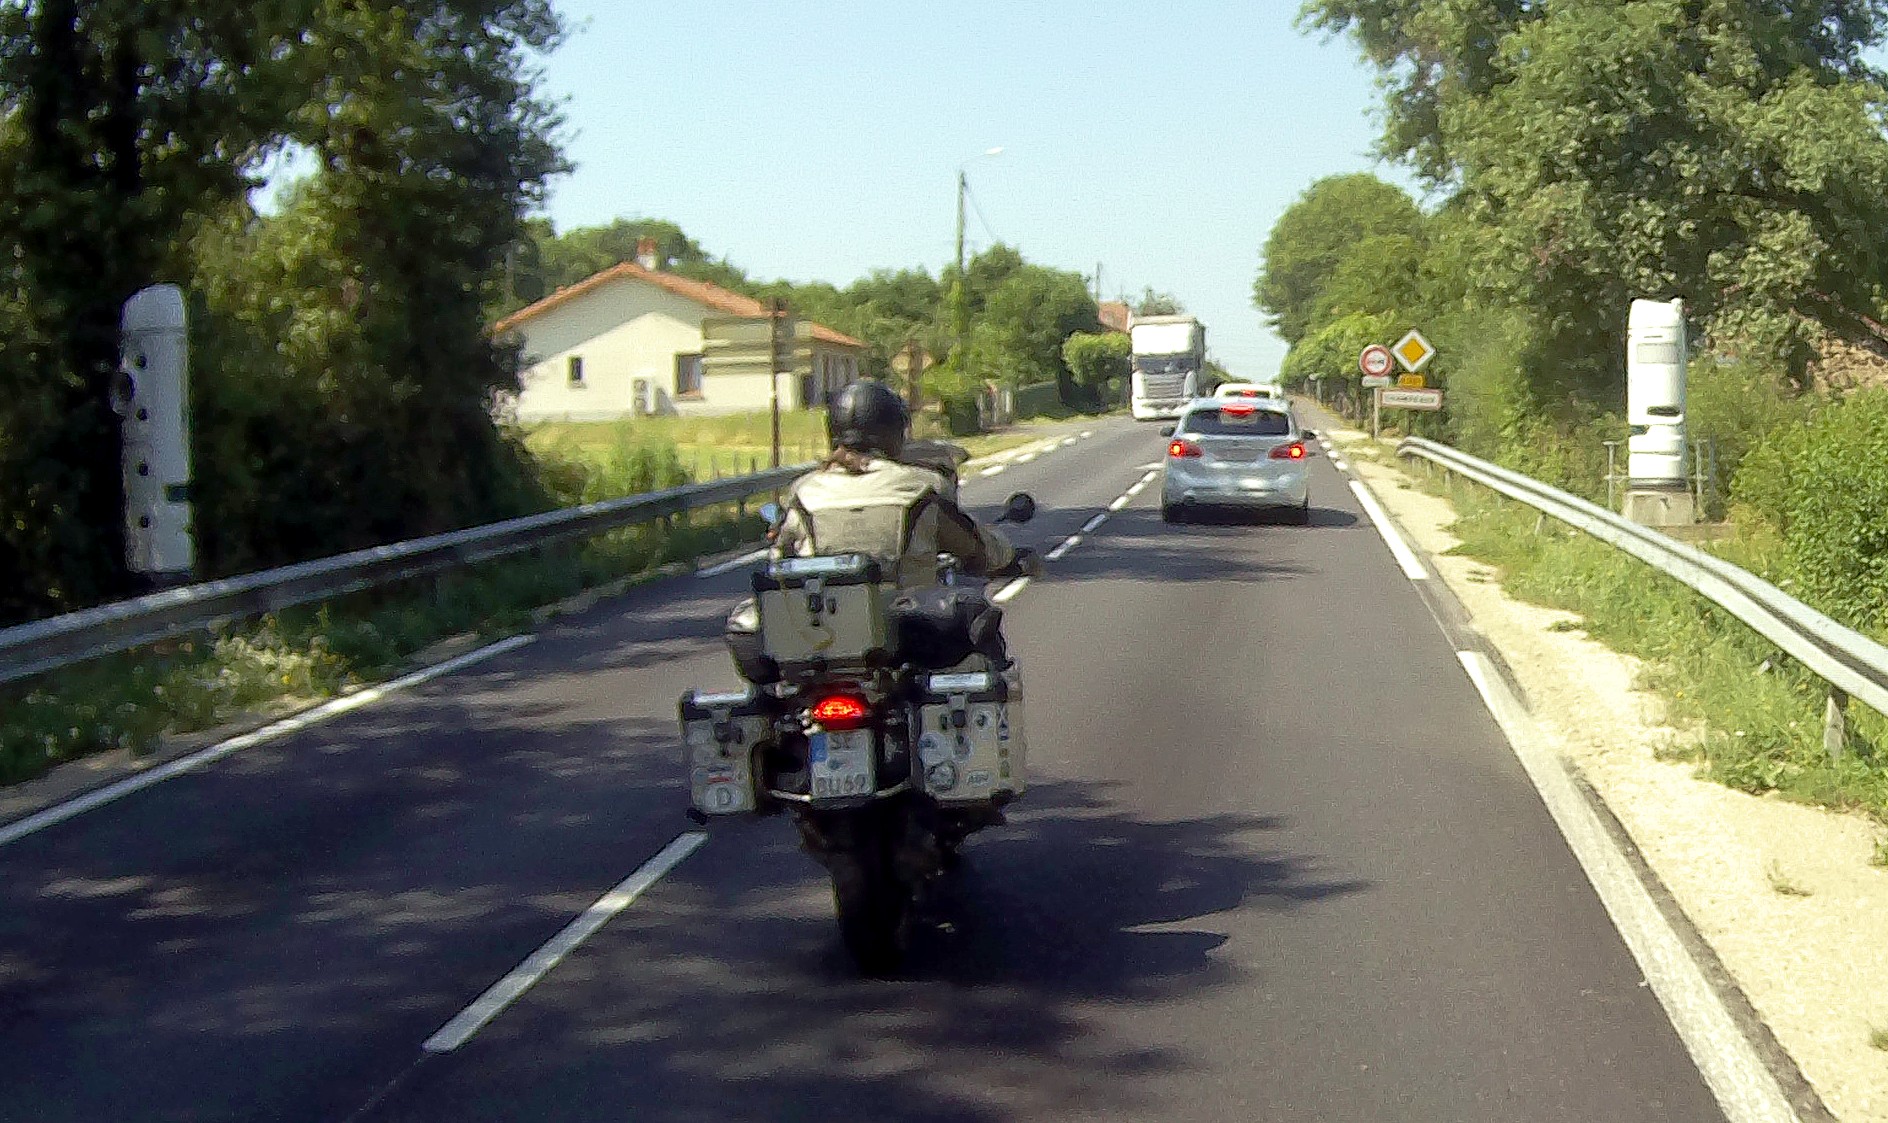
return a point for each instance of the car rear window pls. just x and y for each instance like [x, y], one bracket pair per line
[1237, 421]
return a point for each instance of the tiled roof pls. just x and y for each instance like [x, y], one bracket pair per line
[701, 292]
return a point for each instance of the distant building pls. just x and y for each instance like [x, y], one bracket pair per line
[629, 340]
[1115, 314]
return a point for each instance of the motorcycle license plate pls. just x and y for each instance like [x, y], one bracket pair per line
[841, 764]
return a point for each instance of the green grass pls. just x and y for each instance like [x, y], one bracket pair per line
[707, 447]
[734, 444]
[1759, 713]
[130, 700]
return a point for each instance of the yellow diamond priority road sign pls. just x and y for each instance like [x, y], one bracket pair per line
[1413, 352]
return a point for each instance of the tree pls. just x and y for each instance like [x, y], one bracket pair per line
[1025, 321]
[1098, 364]
[1154, 303]
[1339, 220]
[1730, 152]
[119, 120]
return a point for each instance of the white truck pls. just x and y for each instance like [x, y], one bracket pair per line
[1169, 354]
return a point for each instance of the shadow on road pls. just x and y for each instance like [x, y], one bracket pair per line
[726, 994]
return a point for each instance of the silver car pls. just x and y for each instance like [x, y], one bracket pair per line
[1237, 452]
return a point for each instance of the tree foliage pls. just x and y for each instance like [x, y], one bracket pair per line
[1099, 363]
[1331, 237]
[132, 131]
[1730, 152]
[1153, 303]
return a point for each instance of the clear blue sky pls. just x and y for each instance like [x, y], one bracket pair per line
[821, 141]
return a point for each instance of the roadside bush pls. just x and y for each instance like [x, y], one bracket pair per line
[1737, 405]
[1824, 488]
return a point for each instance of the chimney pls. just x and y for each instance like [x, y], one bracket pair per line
[646, 254]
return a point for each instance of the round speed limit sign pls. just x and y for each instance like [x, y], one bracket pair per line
[1375, 360]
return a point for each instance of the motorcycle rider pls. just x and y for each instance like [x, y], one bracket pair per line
[864, 500]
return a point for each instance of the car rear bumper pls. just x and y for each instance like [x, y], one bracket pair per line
[1274, 488]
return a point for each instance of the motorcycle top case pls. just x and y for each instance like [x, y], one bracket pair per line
[722, 735]
[971, 743]
[823, 613]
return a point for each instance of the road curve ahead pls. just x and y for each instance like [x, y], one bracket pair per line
[1276, 864]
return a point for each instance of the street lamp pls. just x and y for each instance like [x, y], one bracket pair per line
[960, 326]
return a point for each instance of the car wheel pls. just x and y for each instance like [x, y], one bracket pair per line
[1301, 515]
[1169, 513]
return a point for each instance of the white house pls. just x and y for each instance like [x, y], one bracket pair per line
[629, 340]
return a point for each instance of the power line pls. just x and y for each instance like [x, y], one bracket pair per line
[977, 208]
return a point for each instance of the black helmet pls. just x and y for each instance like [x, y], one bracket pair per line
[868, 416]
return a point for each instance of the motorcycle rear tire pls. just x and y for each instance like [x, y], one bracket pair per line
[873, 908]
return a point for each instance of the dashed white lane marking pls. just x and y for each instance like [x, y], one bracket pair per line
[1067, 441]
[1068, 544]
[1156, 466]
[1089, 526]
[1008, 592]
[994, 469]
[59, 813]
[1087, 433]
[732, 564]
[1026, 457]
[506, 990]
[1339, 464]
[1405, 557]
[1121, 502]
[1736, 1075]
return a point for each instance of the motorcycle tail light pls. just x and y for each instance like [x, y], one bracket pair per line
[841, 712]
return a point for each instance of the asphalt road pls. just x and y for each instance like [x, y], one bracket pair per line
[1276, 864]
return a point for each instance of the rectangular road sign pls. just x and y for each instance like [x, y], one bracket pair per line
[1412, 399]
[1411, 381]
[1376, 381]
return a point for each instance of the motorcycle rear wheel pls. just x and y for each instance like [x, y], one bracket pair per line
[873, 908]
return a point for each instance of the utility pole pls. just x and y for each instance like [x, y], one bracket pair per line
[959, 324]
[1097, 282]
[776, 316]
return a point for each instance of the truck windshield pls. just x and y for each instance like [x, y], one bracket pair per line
[1163, 364]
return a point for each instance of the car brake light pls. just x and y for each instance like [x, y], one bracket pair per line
[1292, 451]
[1183, 449]
[1239, 411]
[841, 711]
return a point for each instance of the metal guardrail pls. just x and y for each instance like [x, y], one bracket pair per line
[60, 641]
[1853, 664]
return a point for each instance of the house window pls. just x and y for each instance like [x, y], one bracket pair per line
[573, 371]
[688, 376]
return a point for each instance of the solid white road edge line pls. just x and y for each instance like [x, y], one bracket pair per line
[1090, 526]
[506, 990]
[99, 797]
[1008, 592]
[732, 564]
[1736, 1075]
[1405, 557]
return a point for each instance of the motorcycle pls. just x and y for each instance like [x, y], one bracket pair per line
[888, 722]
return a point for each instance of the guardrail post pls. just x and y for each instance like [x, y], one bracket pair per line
[1835, 725]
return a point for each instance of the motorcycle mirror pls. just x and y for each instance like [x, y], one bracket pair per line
[771, 513]
[1020, 509]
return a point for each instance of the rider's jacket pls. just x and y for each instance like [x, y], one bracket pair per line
[902, 515]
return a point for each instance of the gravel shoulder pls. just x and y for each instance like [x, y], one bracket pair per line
[1784, 894]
